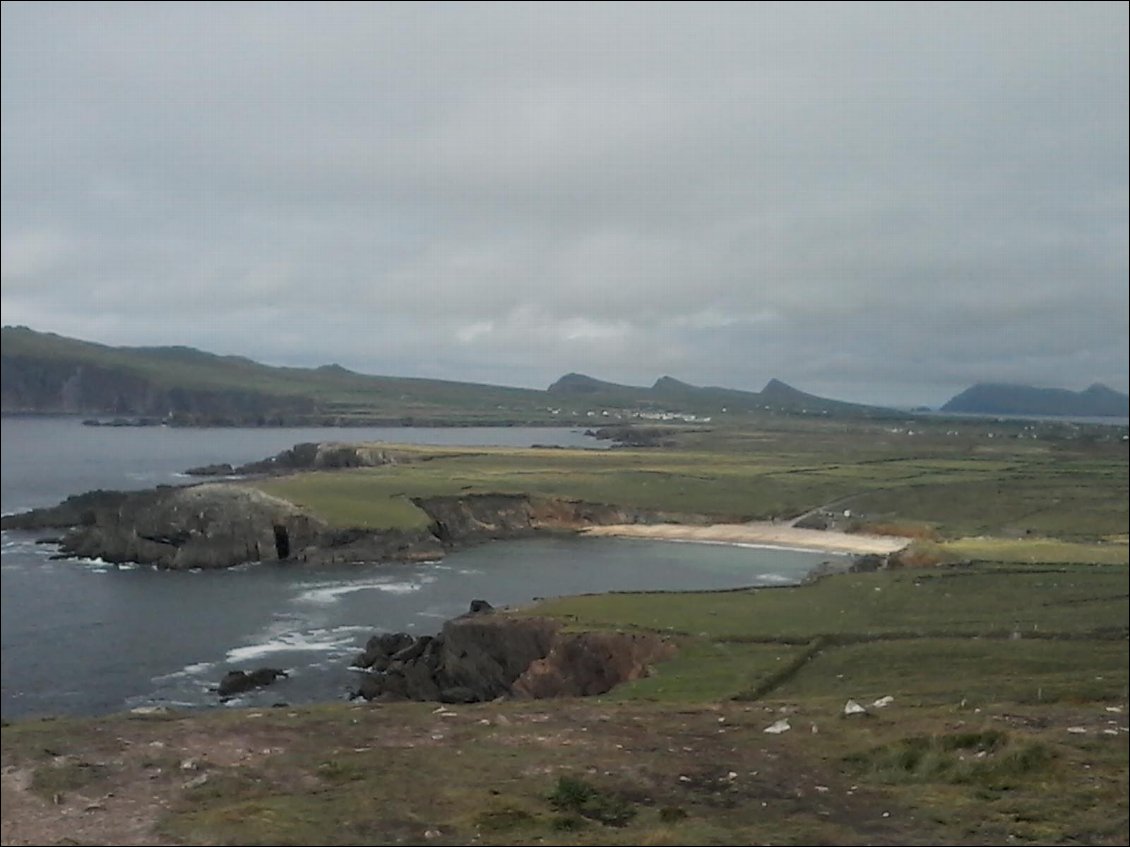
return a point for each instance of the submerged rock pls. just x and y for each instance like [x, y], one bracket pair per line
[236, 682]
[220, 469]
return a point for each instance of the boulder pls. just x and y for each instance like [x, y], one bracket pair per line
[380, 648]
[458, 694]
[220, 469]
[412, 651]
[236, 682]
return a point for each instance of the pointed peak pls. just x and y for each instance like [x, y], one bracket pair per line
[669, 382]
[1099, 388]
[776, 388]
[335, 368]
[575, 383]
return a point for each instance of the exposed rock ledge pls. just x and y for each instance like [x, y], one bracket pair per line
[481, 656]
[217, 525]
[203, 526]
[324, 455]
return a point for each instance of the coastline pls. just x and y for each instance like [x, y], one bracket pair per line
[758, 533]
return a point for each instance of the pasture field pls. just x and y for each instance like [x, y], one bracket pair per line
[986, 481]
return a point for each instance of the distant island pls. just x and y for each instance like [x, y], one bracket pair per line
[1003, 399]
[44, 373]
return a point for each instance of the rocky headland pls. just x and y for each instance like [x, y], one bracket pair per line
[224, 523]
[201, 526]
[217, 525]
[481, 656]
[312, 456]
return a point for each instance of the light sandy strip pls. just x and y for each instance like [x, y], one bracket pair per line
[769, 534]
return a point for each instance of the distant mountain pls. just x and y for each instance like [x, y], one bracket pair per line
[1002, 399]
[580, 384]
[672, 394]
[48, 373]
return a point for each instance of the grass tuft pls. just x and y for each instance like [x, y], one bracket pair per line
[576, 796]
[504, 819]
[988, 759]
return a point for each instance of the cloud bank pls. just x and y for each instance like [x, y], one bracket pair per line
[883, 203]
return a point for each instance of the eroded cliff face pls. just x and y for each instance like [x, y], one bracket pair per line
[479, 657]
[476, 517]
[581, 664]
[324, 455]
[61, 385]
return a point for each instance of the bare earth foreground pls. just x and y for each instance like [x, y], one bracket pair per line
[417, 774]
[760, 533]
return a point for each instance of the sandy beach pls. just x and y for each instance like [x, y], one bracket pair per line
[760, 533]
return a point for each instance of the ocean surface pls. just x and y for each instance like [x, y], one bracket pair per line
[86, 637]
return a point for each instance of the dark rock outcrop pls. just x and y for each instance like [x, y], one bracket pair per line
[480, 517]
[343, 546]
[236, 682]
[325, 455]
[220, 469]
[381, 648]
[482, 656]
[76, 510]
[626, 435]
[474, 658]
[204, 526]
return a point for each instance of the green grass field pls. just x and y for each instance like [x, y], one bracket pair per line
[1058, 492]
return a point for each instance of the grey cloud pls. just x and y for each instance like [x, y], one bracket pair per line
[899, 199]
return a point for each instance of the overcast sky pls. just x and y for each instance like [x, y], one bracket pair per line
[881, 203]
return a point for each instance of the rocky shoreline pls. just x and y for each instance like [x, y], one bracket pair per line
[218, 525]
[221, 524]
[484, 655]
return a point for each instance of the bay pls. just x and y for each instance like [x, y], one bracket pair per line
[86, 637]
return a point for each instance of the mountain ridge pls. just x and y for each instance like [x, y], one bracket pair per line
[50, 373]
[1097, 400]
